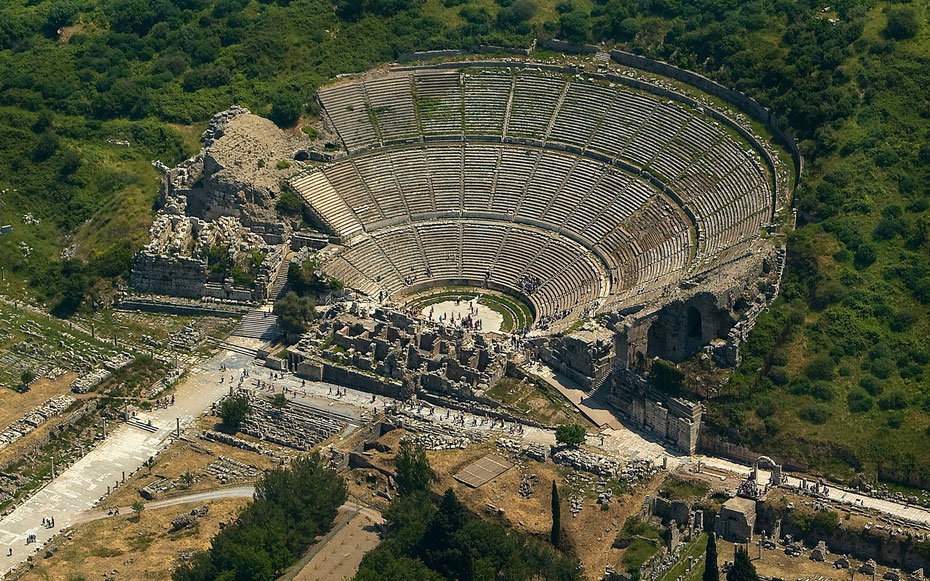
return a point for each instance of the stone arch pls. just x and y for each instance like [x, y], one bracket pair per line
[694, 325]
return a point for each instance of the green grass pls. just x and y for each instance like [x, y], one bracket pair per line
[679, 490]
[695, 550]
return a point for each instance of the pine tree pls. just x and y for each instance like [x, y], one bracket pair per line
[742, 569]
[711, 571]
[556, 516]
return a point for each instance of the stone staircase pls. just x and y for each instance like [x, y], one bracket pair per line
[280, 281]
[237, 348]
[596, 396]
[142, 425]
[258, 324]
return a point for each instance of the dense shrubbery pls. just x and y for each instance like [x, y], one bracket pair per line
[291, 507]
[429, 541]
[294, 313]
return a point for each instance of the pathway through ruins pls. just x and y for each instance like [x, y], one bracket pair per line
[72, 497]
[80, 487]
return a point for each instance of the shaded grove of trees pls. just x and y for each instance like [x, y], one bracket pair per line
[291, 507]
[429, 540]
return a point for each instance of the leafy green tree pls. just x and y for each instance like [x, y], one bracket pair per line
[291, 508]
[289, 203]
[572, 435]
[903, 22]
[294, 313]
[574, 27]
[413, 470]
[742, 569]
[556, 532]
[279, 400]
[516, 16]
[711, 569]
[27, 377]
[286, 107]
[234, 409]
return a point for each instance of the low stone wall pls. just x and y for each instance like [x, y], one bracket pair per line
[900, 550]
[180, 307]
[563, 46]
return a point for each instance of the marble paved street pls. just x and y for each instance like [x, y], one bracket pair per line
[911, 512]
[81, 486]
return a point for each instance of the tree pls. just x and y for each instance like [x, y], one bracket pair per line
[137, 508]
[574, 26]
[186, 478]
[286, 107]
[556, 516]
[294, 313]
[413, 470]
[27, 377]
[711, 570]
[234, 410]
[742, 569]
[279, 400]
[902, 23]
[570, 435]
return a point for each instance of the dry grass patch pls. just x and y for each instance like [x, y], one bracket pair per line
[138, 548]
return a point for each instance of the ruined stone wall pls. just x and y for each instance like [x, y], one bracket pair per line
[583, 356]
[675, 421]
[898, 550]
[176, 276]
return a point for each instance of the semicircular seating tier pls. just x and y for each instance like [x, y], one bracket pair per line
[570, 190]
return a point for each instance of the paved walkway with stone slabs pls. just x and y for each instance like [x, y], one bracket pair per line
[80, 487]
[913, 513]
[483, 471]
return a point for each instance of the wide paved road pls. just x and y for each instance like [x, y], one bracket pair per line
[79, 488]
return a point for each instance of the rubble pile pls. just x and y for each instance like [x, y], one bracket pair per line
[233, 441]
[294, 425]
[35, 418]
[86, 382]
[189, 519]
[228, 470]
[587, 462]
[526, 485]
[538, 452]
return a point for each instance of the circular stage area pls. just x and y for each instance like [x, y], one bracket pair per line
[465, 314]
[580, 193]
[471, 308]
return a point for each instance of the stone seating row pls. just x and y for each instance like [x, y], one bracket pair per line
[395, 258]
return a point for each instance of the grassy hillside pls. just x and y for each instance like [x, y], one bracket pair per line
[836, 374]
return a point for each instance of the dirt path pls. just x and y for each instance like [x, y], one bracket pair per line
[236, 492]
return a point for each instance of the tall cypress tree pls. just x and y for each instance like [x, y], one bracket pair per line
[711, 571]
[742, 569]
[556, 516]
